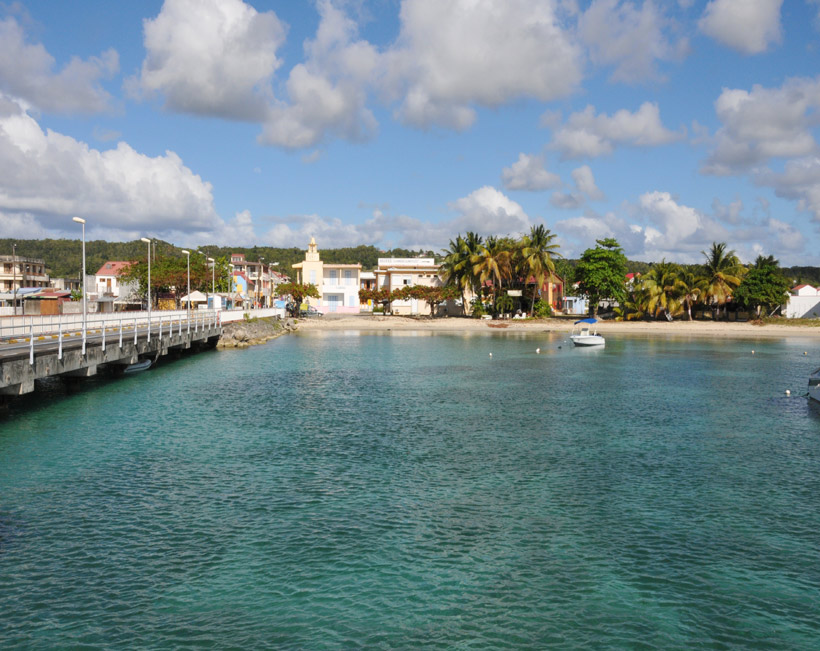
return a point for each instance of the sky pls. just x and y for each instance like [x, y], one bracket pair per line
[666, 124]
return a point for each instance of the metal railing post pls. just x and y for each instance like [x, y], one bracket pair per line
[60, 341]
[120, 333]
[135, 331]
[31, 343]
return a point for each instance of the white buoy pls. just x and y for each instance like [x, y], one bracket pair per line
[537, 351]
[788, 393]
[491, 354]
[805, 353]
[753, 352]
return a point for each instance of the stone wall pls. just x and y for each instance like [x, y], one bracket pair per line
[252, 332]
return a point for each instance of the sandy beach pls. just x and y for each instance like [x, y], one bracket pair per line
[719, 329]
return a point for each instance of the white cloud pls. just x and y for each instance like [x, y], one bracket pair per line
[451, 55]
[26, 71]
[212, 57]
[585, 189]
[49, 177]
[488, 211]
[586, 134]
[748, 26]
[630, 38]
[528, 173]
[327, 93]
[764, 123]
[585, 182]
[799, 181]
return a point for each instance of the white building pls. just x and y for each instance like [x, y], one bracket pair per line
[107, 279]
[803, 303]
[395, 273]
[338, 284]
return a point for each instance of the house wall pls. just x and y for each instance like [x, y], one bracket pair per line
[802, 307]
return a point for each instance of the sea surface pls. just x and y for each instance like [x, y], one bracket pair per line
[411, 490]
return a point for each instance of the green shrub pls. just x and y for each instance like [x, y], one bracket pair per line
[542, 309]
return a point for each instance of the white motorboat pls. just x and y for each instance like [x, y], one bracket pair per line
[585, 334]
[814, 385]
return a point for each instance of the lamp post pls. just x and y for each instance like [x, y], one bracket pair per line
[80, 220]
[213, 280]
[145, 239]
[230, 283]
[14, 272]
[188, 303]
[259, 279]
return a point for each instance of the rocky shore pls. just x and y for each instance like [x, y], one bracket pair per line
[241, 334]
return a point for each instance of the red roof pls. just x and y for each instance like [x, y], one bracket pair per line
[113, 267]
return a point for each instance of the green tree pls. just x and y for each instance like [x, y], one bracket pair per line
[537, 251]
[298, 292]
[723, 272]
[692, 287]
[493, 263]
[664, 288]
[601, 273]
[763, 287]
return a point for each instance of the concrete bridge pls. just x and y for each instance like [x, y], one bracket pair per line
[35, 348]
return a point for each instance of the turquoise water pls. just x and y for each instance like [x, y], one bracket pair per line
[340, 490]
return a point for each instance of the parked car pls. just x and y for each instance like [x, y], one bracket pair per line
[311, 311]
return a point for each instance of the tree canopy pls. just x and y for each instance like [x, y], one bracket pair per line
[601, 273]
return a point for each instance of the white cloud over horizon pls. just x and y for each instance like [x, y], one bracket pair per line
[117, 189]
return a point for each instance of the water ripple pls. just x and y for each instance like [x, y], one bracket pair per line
[326, 492]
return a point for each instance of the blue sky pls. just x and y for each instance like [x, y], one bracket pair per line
[667, 125]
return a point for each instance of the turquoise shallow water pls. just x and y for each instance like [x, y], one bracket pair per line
[408, 490]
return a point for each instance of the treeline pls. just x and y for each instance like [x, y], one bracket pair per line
[63, 258]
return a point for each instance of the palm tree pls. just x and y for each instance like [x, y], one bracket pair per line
[455, 269]
[662, 284]
[493, 262]
[693, 288]
[723, 274]
[536, 256]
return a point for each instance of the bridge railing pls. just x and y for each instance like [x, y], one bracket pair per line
[59, 324]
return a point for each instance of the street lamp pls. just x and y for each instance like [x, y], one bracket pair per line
[259, 279]
[80, 220]
[146, 240]
[213, 280]
[188, 253]
[14, 271]
[230, 283]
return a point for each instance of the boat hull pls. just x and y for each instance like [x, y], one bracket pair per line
[143, 365]
[588, 340]
[814, 385]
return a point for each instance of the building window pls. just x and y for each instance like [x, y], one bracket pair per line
[334, 280]
[312, 276]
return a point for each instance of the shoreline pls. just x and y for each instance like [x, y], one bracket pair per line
[711, 329]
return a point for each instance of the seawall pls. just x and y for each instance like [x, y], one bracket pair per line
[252, 332]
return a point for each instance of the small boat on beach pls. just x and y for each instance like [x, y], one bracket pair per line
[582, 335]
[814, 385]
[142, 365]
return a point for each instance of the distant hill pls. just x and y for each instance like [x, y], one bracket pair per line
[64, 257]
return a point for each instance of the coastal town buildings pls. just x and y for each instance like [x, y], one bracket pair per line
[107, 279]
[395, 273]
[338, 284]
[803, 303]
[17, 271]
[253, 281]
